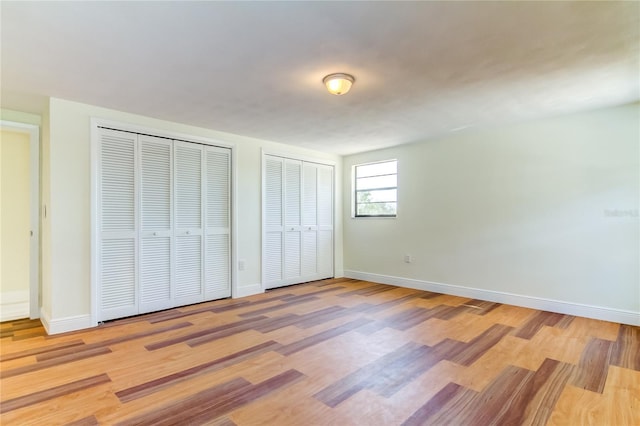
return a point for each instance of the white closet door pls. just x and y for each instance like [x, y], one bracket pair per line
[273, 210]
[309, 221]
[298, 221]
[292, 219]
[188, 211]
[217, 272]
[156, 233]
[117, 257]
[325, 221]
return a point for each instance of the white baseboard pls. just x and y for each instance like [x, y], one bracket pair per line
[14, 305]
[14, 311]
[64, 325]
[248, 290]
[568, 308]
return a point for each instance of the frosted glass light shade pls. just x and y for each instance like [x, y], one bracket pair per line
[338, 84]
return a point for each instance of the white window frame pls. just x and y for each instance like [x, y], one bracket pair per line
[354, 193]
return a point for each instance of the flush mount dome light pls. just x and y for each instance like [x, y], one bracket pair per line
[339, 83]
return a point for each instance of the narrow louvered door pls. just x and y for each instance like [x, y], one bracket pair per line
[273, 201]
[217, 266]
[292, 220]
[309, 221]
[188, 210]
[325, 221]
[156, 233]
[117, 288]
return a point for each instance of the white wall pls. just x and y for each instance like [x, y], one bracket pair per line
[66, 190]
[545, 211]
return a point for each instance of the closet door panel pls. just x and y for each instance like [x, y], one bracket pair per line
[325, 221]
[117, 257]
[155, 274]
[188, 284]
[118, 293]
[188, 211]
[118, 175]
[217, 267]
[217, 248]
[293, 192]
[310, 254]
[274, 172]
[188, 186]
[309, 221]
[325, 196]
[292, 254]
[155, 223]
[325, 254]
[273, 212]
[293, 219]
[273, 258]
[310, 195]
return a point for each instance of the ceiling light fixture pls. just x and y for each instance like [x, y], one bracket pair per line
[338, 83]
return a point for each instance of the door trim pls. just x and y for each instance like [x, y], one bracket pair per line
[34, 210]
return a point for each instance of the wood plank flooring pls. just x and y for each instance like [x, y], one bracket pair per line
[332, 352]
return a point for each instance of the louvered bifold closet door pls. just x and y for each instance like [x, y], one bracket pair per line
[309, 221]
[292, 220]
[298, 221]
[156, 233]
[188, 211]
[325, 221]
[273, 221]
[217, 265]
[117, 246]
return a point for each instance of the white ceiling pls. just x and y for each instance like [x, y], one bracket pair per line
[422, 69]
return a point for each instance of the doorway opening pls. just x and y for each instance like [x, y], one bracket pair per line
[19, 220]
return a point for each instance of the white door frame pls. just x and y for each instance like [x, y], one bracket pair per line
[34, 210]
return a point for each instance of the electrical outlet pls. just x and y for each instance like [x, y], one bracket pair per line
[408, 258]
[241, 264]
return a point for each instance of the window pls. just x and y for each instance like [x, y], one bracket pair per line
[376, 189]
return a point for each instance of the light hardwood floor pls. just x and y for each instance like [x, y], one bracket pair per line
[333, 352]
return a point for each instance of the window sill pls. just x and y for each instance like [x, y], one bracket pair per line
[373, 217]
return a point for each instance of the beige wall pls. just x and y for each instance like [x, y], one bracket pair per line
[66, 191]
[547, 209]
[14, 221]
[20, 117]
